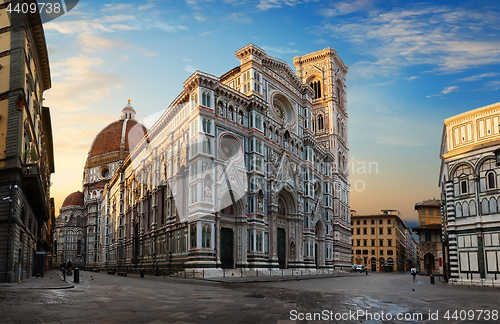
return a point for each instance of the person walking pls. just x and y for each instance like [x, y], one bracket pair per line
[413, 272]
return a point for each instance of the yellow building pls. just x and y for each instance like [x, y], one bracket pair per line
[379, 241]
[429, 232]
[26, 152]
[429, 212]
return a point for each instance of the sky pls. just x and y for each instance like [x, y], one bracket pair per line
[411, 65]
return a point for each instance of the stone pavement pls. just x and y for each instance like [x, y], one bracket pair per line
[52, 279]
[103, 298]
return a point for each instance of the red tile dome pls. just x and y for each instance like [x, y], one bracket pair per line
[111, 137]
[74, 199]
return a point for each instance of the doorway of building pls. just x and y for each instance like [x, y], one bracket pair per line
[281, 248]
[226, 248]
[373, 262]
[316, 255]
[429, 263]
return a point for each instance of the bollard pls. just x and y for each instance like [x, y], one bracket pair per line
[367, 272]
[76, 275]
[432, 279]
[142, 272]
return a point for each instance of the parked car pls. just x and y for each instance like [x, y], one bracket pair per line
[358, 268]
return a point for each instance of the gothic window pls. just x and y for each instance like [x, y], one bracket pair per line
[193, 235]
[316, 85]
[203, 99]
[320, 123]
[208, 100]
[205, 236]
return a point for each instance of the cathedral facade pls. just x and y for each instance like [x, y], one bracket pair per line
[247, 170]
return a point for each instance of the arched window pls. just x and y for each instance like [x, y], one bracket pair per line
[490, 179]
[208, 100]
[493, 205]
[465, 209]
[320, 123]
[485, 207]
[203, 99]
[472, 208]
[458, 210]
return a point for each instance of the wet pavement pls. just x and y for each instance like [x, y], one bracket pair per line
[380, 297]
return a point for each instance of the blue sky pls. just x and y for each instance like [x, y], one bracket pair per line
[411, 65]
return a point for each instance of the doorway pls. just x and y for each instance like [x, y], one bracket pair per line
[281, 248]
[226, 248]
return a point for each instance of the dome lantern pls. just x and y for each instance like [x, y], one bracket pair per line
[128, 112]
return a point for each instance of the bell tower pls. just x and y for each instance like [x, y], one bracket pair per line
[325, 73]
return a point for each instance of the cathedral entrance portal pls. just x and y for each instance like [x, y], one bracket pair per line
[226, 248]
[282, 248]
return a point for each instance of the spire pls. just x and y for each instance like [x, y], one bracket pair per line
[128, 112]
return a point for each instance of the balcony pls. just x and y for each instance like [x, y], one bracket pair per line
[35, 189]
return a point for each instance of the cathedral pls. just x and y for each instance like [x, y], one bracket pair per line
[247, 170]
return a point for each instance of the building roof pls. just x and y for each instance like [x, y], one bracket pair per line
[74, 199]
[436, 203]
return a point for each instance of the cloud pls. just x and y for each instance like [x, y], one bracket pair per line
[146, 6]
[412, 78]
[189, 69]
[271, 4]
[280, 50]
[79, 83]
[449, 89]
[208, 32]
[346, 7]
[446, 90]
[493, 85]
[438, 36]
[478, 77]
[239, 18]
[112, 23]
[146, 52]
[185, 59]
[94, 42]
[199, 17]
[117, 7]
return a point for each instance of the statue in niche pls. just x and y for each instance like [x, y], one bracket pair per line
[207, 191]
[259, 203]
[292, 250]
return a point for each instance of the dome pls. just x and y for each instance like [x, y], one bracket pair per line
[74, 199]
[111, 137]
[115, 141]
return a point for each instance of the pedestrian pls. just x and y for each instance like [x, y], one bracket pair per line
[413, 272]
